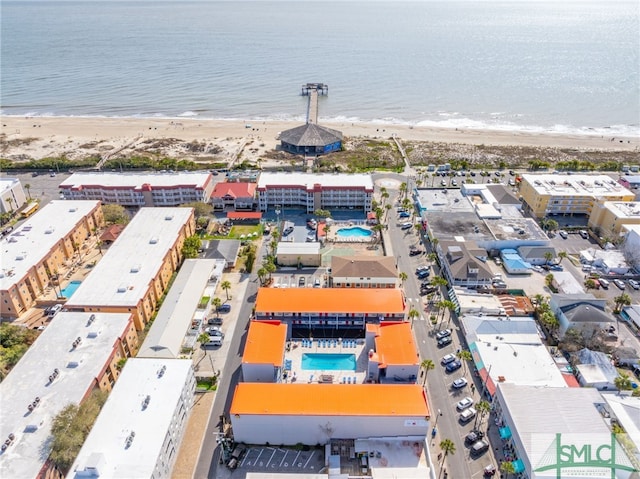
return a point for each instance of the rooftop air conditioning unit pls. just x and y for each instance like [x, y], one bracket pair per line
[153, 240]
[73, 364]
[122, 288]
[136, 268]
[168, 217]
[73, 210]
[93, 334]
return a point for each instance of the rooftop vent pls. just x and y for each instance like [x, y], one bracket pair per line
[145, 403]
[49, 230]
[161, 371]
[34, 404]
[136, 268]
[92, 318]
[21, 256]
[168, 217]
[129, 440]
[73, 364]
[93, 334]
[52, 377]
[75, 344]
[153, 240]
[73, 210]
[122, 288]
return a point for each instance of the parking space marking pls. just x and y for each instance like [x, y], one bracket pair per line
[257, 458]
[283, 458]
[295, 461]
[272, 454]
[307, 463]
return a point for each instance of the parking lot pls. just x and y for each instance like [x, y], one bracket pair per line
[280, 460]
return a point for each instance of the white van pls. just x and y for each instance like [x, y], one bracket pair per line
[214, 341]
[604, 283]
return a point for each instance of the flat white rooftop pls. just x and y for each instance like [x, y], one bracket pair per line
[7, 183]
[309, 180]
[576, 185]
[123, 275]
[78, 369]
[136, 180]
[163, 381]
[29, 244]
[624, 209]
[290, 247]
[167, 333]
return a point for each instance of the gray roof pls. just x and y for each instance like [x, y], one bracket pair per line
[364, 266]
[460, 260]
[503, 195]
[310, 134]
[223, 249]
[535, 251]
[586, 313]
[586, 356]
[564, 300]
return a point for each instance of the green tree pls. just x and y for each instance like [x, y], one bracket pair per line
[226, 286]
[27, 187]
[115, 214]
[548, 280]
[403, 189]
[427, 365]
[464, 356]
[448, 447]
[271, 268]
[320, 213]
[403, 276]
[590, 283]
[217, 302]
[483, 407]
[262, 272]
[562, 255]
[623, 300]
[548, 256]
[413, 314]
[623, 382]
[203, 339]
[200, 209]
[191, 246]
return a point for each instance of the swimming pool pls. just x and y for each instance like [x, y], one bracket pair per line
[70, 289]
[354, 231]
[328, 362]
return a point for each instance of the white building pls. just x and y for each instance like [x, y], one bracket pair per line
[138, 432]
[12, 195]
[280, 413]
[583, 312]
[625, 409]
[289, 253]
[135, 189]
[315, 191]
[57, 370]
[172, 326]
[363, 272]
[545, 430]
[136, 269]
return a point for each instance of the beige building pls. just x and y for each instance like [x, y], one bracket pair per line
[550, 194]
[11, 195]
[609, 218]
[363, 272]
[36, 251]
[298, 254]
[136, 270]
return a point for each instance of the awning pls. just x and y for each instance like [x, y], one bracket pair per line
[505, 432]
[518, 466]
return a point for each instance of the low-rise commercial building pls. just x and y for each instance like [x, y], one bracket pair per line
[172, 329]
[317, 413]
[12, 195]
[306, 309]
[289, 253]
[36, 251]
[582, 312]
[234, 196]
[136, 189]
[135, 272]
[463, 264]
[315, 191]
[551, 194]
[363, 272]
[263, 357]
[140, 428]
[393, 355]
[75, 354]
[609, 218]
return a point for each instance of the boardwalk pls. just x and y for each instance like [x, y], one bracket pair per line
[312, 90]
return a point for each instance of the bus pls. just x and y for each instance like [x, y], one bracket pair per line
[30, 209]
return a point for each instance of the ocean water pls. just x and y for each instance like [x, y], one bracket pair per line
[566, 66]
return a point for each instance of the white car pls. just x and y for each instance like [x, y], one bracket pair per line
[563, 234]
[538, 269]
[464, 404]
[459, 383]
[449, 358]
[634, 284]
[619, 283]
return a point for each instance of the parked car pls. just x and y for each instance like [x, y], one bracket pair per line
[619, 283]
[427, 290]
[459, 383]
[563, 234]
[479, 447]
[287, 231]
[604, 283]
[404, 214]
[406, 226]
[583, 234]
[443, 334]
[423, 274]
[215, 341]
[415, 252]
[449, 358]
[301, 281]
[445, 342]
[467, 415]
[316, 283]
[214, 331]
[453, 366]
[54, 310]
[464, 404]
[634, 284]
[498, 261]
[216, 320]
[556, 267]
[473, 437]
[224, 308]
[537, 269]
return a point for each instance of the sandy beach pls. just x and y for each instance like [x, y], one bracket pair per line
[76, 137]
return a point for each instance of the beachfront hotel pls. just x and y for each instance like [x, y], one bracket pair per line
[75, 354]
[337, 309]
[315, 191]
[551, 194]
[136, 270]
[12, 195]
[140, 428]
[610, 218]
[41, 247]
[135, 189]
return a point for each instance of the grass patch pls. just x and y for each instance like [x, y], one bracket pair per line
[207, 384]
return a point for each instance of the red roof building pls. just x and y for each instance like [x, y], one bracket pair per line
[238, 196]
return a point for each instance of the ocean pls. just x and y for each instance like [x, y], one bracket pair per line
[558, 66]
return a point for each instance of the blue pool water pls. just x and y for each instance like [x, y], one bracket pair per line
[70, 289]
[354, 231]
[328, 362]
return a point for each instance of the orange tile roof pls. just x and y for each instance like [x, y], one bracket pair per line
[402, 400]
[234, 189]
[395, 344]
[265, 343]
[329, 300]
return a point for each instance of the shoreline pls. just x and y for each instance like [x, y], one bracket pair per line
[26, 138]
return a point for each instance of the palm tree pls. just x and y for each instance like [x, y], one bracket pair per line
[451, 306]
[427, 365]
[403, 276]
[562, 255]
[508, 468]
[27, 187]
[403, 188]
[99, 245]
[548, 280]
[464, 356]
[548, 256]
[203, 338]
[226, 286]
[439, 281]
[10, 201]
[623, 300]
[378, 229]
[448, 447]
[217, 302]
[262, 272]
[623, 382]
[483, 407]
[590, 283]
[384, 195]
[271, 268]
[387, 208]
[413, 314]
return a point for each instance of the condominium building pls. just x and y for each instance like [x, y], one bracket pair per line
[39, 248]
[551, 194]
[610, 218]
[12, 195]
[140, 428]
[315, 191]
[75, 354]
[135, 272]
[133, 189]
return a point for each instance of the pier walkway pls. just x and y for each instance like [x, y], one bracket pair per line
[312, 90]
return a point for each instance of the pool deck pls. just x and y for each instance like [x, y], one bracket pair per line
[297, 374]
[336, 226]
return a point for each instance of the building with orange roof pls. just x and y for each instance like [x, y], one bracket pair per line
[306, 309]
[289, 414]
[263, 357]
[392, 353]
[234, 195]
